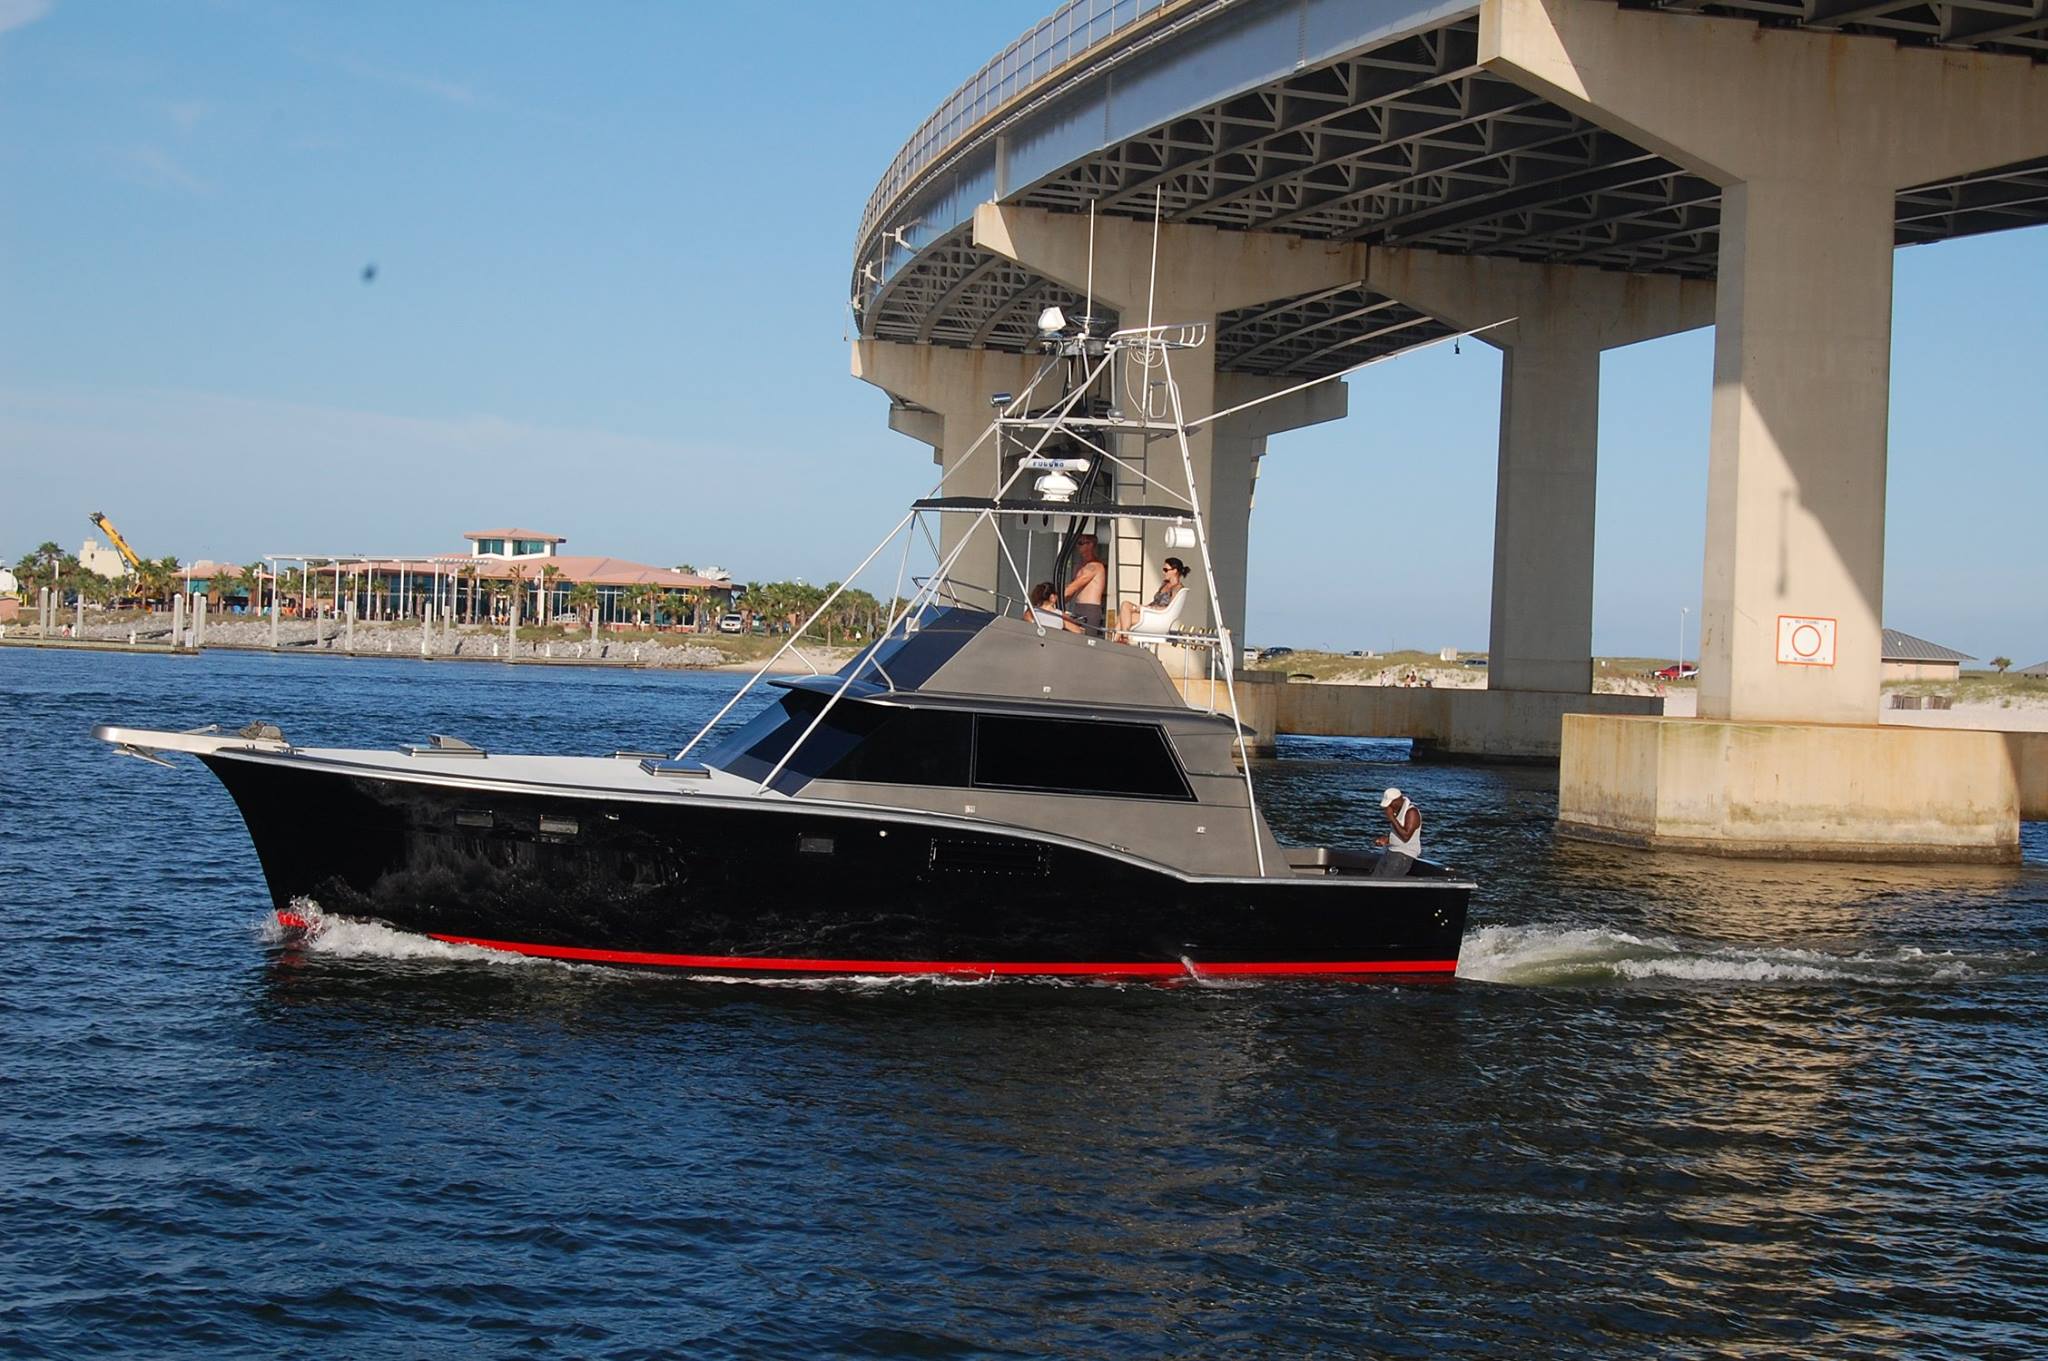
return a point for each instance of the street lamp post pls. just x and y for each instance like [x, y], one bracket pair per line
[1683, 610]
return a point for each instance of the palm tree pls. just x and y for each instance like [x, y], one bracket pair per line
[583, 599]
[546, 613]
[69, 574]
[227, 581]
[465, 575]
[291, 585]
[515, 582]
[157, 579]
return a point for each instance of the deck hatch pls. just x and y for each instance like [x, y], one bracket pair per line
[662, 765]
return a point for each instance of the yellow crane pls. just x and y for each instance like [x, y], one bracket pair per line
[106, 527]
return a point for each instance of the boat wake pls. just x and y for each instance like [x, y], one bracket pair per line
[1554, 953]
[316, 933]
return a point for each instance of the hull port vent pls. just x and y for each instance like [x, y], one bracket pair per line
[474, 817]
[551, 825]
[987, 855]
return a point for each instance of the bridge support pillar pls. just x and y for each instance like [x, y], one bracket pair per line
[950, 394]
[1811, 136]
[1552, 322]
[1195, 274]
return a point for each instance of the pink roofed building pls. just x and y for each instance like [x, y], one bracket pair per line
[402, 586]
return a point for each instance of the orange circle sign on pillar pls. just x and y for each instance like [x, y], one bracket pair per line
[1806, 640]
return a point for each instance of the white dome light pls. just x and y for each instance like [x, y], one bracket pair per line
[1051, 321]
[1057, 486]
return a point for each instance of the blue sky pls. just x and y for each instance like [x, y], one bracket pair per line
[612, 245]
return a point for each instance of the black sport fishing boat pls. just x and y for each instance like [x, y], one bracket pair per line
[981, 791]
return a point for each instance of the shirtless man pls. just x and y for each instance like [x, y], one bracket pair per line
[1084, 593]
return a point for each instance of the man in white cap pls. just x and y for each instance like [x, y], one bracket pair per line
[1404, 843]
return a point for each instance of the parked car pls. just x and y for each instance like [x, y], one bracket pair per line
[1267, 654]
[731, 623]
[1682, 671]
[1473, 661]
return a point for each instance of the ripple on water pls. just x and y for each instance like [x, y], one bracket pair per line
[1674, 1107]
[1564, 954]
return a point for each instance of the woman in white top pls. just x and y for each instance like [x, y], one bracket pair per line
[1047, 615]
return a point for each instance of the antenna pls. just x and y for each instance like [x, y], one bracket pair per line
[1152, 288]
[1088, 299]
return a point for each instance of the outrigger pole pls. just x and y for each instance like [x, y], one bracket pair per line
[1187, 463]
[1453, 338]
[819, 613]
[924, 594]
[921, 597]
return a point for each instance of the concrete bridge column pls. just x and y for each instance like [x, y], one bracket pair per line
[1811, 137]
[951, 392]
[1541, 634]
[1198, 273]
[1552, 322]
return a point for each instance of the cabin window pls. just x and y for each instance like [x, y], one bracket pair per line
[1071, 756]
[773, 731]
[865, 742]
[906, 746]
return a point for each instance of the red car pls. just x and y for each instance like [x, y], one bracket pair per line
[1682, 671]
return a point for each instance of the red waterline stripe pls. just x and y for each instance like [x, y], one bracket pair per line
[928, 966]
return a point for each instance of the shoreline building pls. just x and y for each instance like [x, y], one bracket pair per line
[480, 585]
[1906, 658]
[102, 560]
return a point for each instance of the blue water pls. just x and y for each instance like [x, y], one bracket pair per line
[1674, 1107]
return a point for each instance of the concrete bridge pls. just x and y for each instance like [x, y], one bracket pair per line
[1341, 179]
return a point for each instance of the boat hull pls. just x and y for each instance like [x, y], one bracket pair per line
[780, 887]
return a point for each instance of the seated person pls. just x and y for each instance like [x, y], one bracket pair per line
[1045, 614]
[1157, 614]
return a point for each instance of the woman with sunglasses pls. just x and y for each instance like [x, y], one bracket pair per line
[1158, 614]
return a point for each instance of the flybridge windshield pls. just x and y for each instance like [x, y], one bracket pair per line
[957, 749]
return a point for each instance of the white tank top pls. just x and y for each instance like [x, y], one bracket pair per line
[1410, 846]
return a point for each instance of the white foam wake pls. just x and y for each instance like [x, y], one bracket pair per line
[1556, 953]
[347, 938]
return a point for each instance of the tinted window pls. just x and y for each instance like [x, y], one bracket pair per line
[855, 742]
[906, 746]
[1068, 756]
[753, 751]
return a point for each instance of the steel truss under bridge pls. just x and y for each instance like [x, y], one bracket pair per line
[1398, 139]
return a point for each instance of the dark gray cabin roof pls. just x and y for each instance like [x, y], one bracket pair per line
[1904, 647]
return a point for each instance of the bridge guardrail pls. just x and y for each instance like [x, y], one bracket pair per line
[1068, 31]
